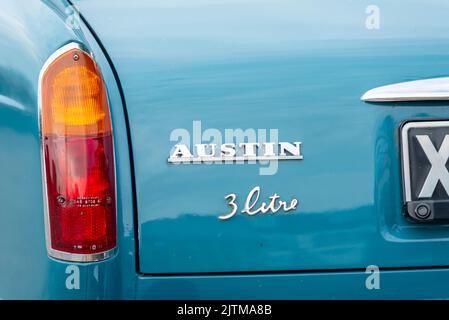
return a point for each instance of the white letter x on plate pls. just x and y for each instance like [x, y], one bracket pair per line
[438, 170]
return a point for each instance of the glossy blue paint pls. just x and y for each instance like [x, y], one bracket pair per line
[405, 284]
[294, 66]
[27, 39]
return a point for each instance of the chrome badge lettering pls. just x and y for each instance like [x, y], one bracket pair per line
[253, 207]
[267, 151]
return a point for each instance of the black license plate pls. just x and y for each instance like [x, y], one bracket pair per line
[425, 175]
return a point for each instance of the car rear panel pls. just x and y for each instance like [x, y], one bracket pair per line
[299, 68]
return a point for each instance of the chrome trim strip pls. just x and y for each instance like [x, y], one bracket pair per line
[405, 150]
[74, 257]
[436, 89]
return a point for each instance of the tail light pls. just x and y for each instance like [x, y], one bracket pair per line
[78, 157]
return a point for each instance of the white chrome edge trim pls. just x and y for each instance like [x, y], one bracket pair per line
[59, 255]
[406, 160]
[76, 257]
[435, 89]
[67, 47]
[405, 157]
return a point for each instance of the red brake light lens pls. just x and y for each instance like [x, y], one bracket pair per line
[78, 158]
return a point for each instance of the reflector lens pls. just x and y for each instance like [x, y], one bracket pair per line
[78, 157]
[81, 196]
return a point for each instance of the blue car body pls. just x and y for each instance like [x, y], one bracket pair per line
[297, 66]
